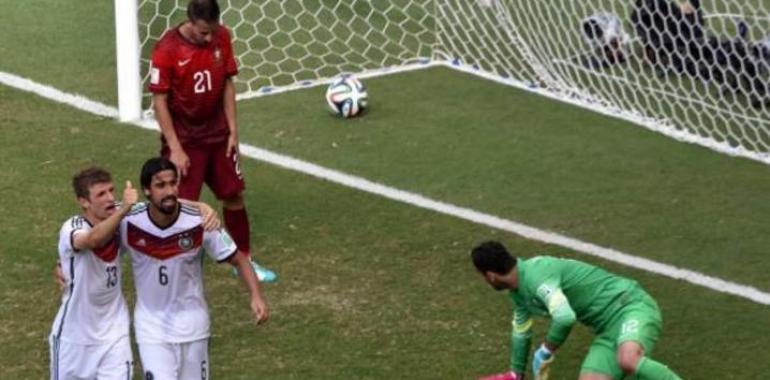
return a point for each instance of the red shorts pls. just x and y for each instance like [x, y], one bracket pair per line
[211, 165]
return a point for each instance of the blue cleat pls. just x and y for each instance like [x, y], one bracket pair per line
[263, 274]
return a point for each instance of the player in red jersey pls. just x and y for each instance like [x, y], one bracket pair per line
[191, 79]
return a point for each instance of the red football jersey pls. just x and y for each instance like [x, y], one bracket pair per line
[194, 77]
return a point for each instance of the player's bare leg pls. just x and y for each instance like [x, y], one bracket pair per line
[237, 223]
[633, 362]
[629, 354]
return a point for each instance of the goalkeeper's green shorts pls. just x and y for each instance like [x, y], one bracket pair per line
[639, 321]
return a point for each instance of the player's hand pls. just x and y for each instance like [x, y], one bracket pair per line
[541, 361]
[260, 309]
[502, 376]
[130, 195]
[210, 218]
[232, 146]
[181, 160]
[58, 276]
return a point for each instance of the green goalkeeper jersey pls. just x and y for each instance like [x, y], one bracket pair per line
[565, 291]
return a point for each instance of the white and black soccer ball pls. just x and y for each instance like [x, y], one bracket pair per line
[346, 96]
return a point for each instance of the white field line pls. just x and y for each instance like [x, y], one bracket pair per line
[77, 101]
[713, 283]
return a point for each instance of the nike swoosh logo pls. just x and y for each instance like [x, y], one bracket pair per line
[186, 61]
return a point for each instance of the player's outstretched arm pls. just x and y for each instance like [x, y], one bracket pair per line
[230, 116]
[562, 320]
[521, 339]
[209, 217]
[163, 116]
[103, 231]
[258, 305]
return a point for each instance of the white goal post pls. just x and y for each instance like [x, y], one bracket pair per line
[697, 71]
[128, 52]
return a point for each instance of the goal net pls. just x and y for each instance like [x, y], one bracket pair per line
[697, 71]
[284, 44]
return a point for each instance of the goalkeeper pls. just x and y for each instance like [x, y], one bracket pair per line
[625, 319]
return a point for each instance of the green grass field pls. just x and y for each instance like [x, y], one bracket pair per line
[371, 288]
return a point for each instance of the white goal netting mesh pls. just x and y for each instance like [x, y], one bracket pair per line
[698, 71]
[283, 43]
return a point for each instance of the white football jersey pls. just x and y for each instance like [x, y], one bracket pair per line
[609, 28]
[168, 274]
[93, 310]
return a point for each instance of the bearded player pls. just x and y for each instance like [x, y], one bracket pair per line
[625, 319]
[166, 240]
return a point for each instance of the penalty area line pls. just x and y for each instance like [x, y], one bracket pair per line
[719, 285]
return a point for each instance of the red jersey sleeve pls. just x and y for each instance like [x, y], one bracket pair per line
[161, 67]
[231, 66]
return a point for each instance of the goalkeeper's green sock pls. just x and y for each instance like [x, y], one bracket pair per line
[649, 369]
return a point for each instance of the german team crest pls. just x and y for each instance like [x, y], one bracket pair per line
[185, 242]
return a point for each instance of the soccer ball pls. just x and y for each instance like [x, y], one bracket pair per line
[346, 96]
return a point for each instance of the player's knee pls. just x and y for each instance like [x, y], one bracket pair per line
[629, 355]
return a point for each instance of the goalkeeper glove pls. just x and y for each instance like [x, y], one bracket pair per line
[502, 376]
[540, 361]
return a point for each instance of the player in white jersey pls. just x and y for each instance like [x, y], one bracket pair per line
[603, 32]
[89, 337]
[166, 240]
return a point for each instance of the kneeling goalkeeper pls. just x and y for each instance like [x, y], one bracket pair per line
[625, 319]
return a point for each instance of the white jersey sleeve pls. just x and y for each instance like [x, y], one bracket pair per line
[93, 310]
[69, 229]
[219, 245]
